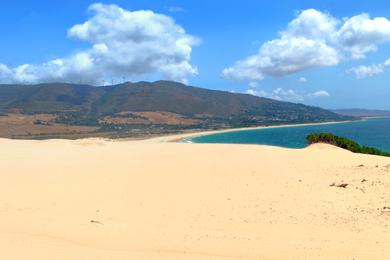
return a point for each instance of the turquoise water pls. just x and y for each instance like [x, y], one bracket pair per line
[373, 132]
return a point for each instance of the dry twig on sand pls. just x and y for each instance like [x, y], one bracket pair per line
[340, 185]
[96, 222]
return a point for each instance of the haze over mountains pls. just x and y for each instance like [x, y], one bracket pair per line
[163, 104]
[362, 112]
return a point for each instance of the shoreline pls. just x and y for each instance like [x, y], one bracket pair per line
[374, 117]
[184, 138]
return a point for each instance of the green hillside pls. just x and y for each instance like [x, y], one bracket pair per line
[87, 105]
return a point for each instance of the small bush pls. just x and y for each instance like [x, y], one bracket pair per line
[344, 143]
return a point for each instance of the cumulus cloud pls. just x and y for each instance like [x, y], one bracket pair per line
[361, 34]
[320, 93]
[123, 44]
[284, 56]
[278, 94]
[286, 95]
[253, 85]
[365, 71]
[282, 94]
[254, 92]
[289, 95]
[313, 39]
[302, 80]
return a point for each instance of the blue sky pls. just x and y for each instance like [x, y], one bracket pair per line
[223, 33]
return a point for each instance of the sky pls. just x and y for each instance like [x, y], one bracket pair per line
[333, 54]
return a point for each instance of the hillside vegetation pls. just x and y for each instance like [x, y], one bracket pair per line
[152, 107]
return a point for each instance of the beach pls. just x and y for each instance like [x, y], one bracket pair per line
[157, 199]
[186, 137]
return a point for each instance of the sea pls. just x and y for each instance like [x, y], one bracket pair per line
[373, 132]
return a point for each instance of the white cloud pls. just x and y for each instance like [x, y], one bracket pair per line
[362, 72]
[361, 34]
[320, 93]
[124, 44]
[281, 57]
[254, 92]
[289, 95]
[365, 71]
[387, 63]
[277, 94]
[286, 95]
[312, 24]
[253, 84]
[313, 39]
[302, 80]
[5, 73]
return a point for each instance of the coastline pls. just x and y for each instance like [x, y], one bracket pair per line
[374, 117]
[160, 198]
[182, 138]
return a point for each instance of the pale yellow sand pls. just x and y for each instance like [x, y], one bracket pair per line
[155, 200]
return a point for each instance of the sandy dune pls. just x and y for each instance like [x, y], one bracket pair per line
[94, 199]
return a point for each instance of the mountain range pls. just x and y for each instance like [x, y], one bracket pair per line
[362, 112]
[160, 104]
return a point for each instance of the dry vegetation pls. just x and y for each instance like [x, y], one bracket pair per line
[167, 118]
[21, 125]
[148, 117]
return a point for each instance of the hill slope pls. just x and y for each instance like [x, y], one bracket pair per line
[164, 104]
